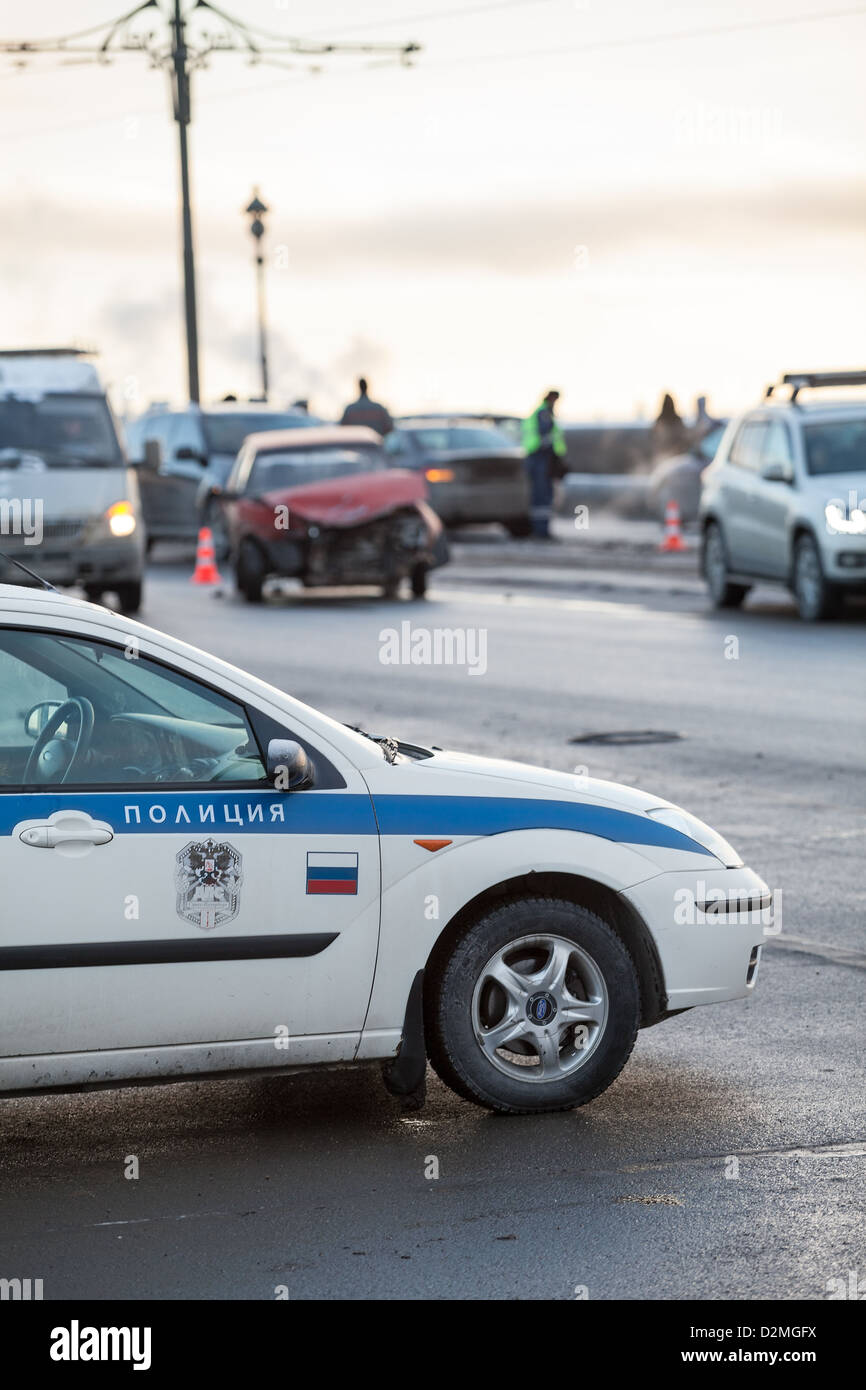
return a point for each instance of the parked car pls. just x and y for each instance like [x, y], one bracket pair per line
[197, 447]
[784, 499]
[678, 478]
[475, 472]
[284, 864]
[608, 466]
[67, 493]
[322, 506]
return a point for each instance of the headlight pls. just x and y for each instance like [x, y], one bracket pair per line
[689, 825]
[121, 519]
[844, 522]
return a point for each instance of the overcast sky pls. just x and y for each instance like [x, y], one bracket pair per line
[555, 194]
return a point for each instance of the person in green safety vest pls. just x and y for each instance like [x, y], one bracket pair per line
[545, 447]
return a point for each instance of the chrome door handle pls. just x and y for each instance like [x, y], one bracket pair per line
[66, 828]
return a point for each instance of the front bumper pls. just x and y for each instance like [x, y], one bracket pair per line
[844, 559]
[706, 956]
[459, 502]
[120, 559]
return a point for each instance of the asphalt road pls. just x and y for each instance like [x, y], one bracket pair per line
[317, 1183]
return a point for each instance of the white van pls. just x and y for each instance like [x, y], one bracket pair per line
[69, 502]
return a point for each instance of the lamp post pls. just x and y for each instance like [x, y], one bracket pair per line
[256, 211]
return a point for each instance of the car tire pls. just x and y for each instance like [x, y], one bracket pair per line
[465, 1007]
[418, 581]
[391, 588]
[816, 598]
[129, 596]
[520, 528]
[714, 565]
[250, 572]
[94, 593]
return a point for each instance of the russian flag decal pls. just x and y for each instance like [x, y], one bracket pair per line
[331, 872]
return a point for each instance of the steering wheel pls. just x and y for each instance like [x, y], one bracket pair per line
[50, 759]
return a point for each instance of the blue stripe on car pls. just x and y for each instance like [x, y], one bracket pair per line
[341, 813]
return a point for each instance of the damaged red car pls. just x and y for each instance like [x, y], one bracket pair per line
[321, 505]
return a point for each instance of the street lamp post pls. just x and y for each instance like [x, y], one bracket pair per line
[256, 211]
[181, 105]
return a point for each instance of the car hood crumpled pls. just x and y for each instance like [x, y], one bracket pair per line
[351, 501]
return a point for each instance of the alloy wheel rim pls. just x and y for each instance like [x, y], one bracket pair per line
[539, 1008]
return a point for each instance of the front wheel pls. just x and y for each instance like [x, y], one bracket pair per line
[519, 528]
[129, 596]
[816, 599]
[250, 572]
[723, 593]
[536, 1007]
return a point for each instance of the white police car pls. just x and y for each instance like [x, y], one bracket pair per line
[203, 876]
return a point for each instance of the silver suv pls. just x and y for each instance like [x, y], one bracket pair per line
[784, 500]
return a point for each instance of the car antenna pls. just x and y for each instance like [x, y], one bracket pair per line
[43, 583]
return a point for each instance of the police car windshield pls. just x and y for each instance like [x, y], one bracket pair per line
[62, 431]
[835, 446]
[226, 432]
[295, 467]
[446, 438]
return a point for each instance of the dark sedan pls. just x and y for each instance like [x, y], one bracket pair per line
[475, 473]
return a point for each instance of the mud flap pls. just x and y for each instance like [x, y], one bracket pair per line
[405, 1076]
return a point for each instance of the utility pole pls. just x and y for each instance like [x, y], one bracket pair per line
[256, 211]
[174, 51]
[181, 102]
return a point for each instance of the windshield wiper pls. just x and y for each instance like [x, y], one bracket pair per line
[43, 583]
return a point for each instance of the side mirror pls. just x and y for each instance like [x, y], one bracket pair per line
[152, 459]
[186, 452]
[776, 471]
[38, 716]
[289, 768]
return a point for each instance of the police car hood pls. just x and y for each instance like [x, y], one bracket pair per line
[512, 779]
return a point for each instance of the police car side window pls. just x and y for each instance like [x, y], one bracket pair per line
[21, 688]
[151, 725]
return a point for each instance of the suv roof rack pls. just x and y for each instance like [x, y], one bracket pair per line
[797, 380]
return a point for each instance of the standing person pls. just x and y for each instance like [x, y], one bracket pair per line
[670, 435]
[363, 411]
[545, 448]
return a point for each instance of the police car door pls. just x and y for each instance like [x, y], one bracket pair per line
[157, 890]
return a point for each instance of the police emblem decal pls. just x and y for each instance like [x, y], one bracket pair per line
[208, 878]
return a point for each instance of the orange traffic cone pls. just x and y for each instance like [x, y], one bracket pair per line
[673, 537]
[205, 571]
